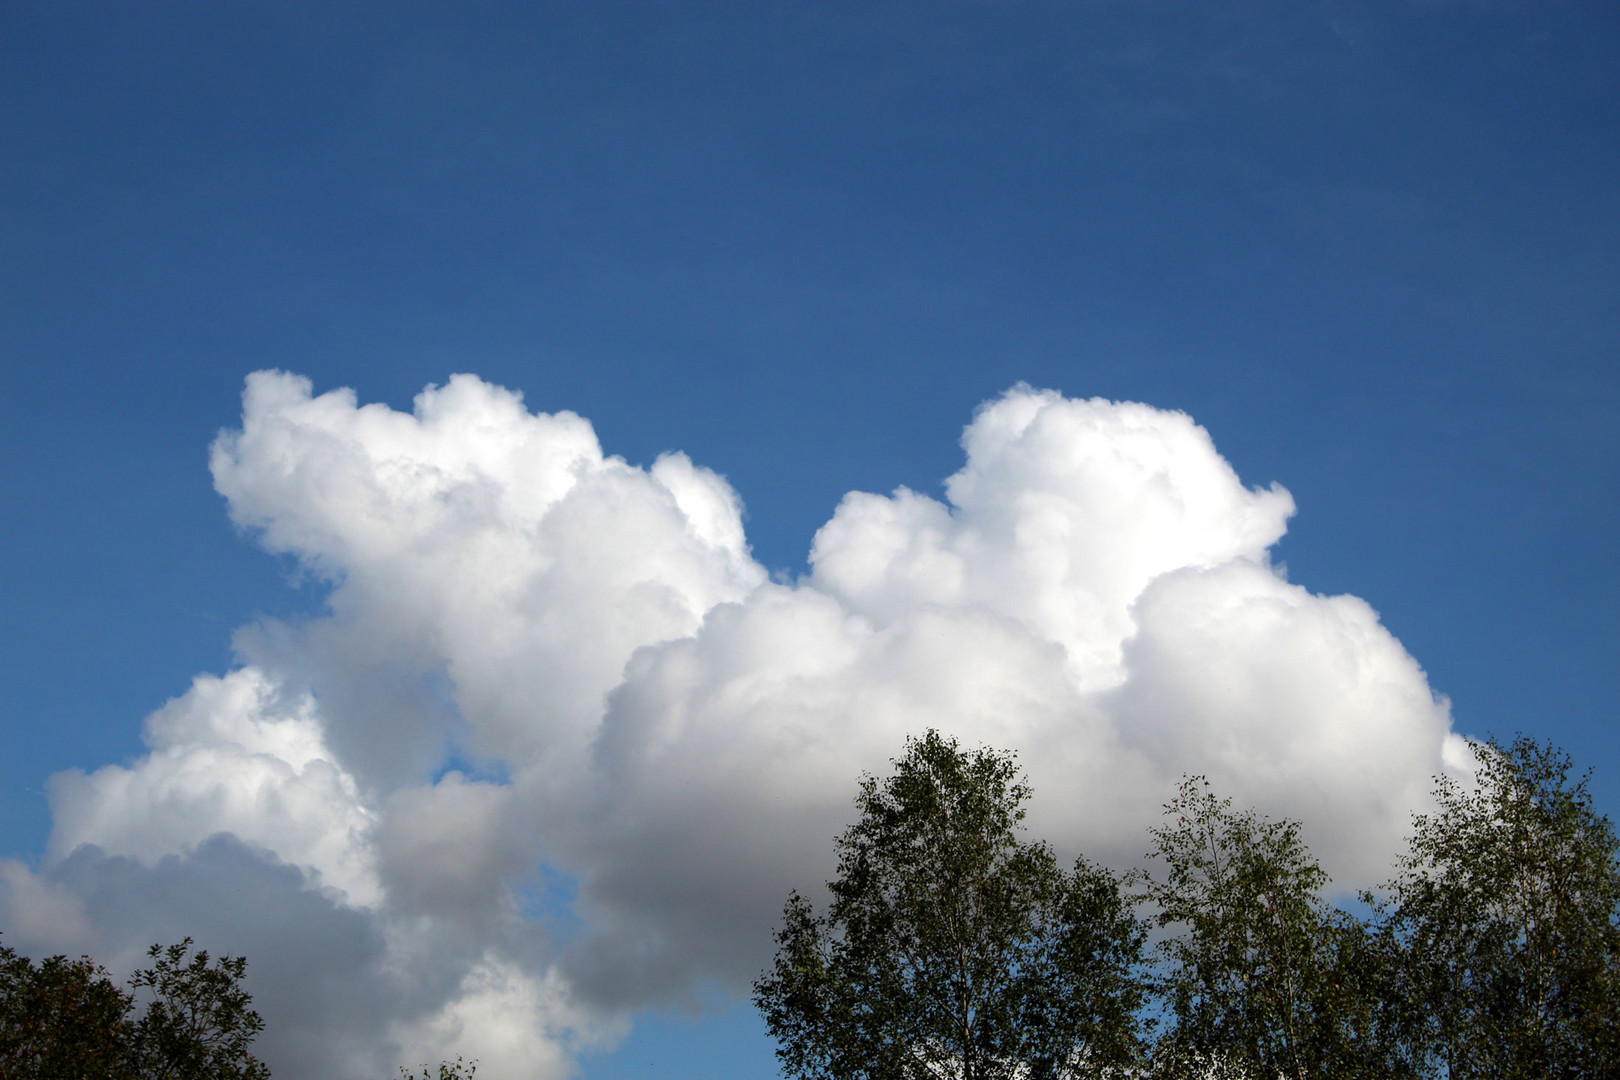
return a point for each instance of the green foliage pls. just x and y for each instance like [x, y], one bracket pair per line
[448, 1070]
[198, 1021]
[66, 1020]
[62, 1020]
[1258, 972]
[952, 948]
[1508, 907]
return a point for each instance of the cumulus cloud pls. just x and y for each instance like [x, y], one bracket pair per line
[1065, 512]
[472, 539]
[558, 747]
[228, 757]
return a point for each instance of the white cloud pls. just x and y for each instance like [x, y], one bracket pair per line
[1300, 703]
[476, 540]
[630, 705]
[519, 1025]
[228, 757]
[41, 913]
[1064, 513]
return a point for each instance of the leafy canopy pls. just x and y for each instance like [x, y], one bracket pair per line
[448, 1070]
[66, 1019]
[952, 948]
[1257, 972]
[1508, 909]
[61, 1019]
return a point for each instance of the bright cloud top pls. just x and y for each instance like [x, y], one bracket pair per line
[559, 747]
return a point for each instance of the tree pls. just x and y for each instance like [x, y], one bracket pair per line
[1508, 904]
[198, 1022]
[1259, 974]
[61, 1020]
[952, 949]
[66, 1019]
[448, 1070]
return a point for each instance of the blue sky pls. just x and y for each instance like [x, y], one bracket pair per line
[1370, 248]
